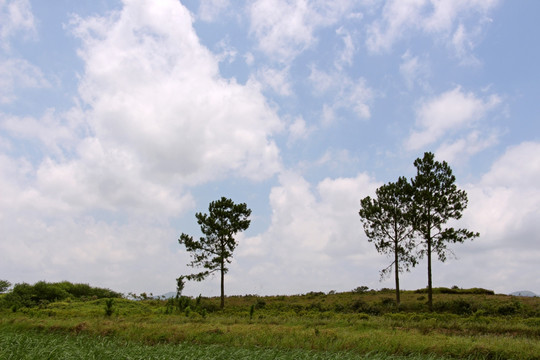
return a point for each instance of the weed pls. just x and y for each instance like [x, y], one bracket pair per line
[109, 307]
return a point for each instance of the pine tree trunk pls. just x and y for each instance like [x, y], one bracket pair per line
[430, 288]
[396, 259]
[222, 305]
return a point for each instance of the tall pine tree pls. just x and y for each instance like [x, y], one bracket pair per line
[387, 223]
[214, 251]
[436, 200]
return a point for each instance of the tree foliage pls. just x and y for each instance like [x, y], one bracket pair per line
[437, 200]
[214, 250]
[4, 285]
[26, 295]
[387, 223]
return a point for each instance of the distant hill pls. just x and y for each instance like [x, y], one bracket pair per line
[524, 293]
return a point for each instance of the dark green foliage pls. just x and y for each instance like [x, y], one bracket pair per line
[387, 222]
[388, 302]
[360, 289]
[445, 290]
[4, 285]
[260, 304]
[457, 306]
[436, 200]
[182, 303]
[169, 306]
[109, 307]
[26, 295]
[180, 283]
[360, 306]
[314, 294]
[213, 252]
[510, 309]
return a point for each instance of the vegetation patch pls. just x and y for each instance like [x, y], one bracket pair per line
[315, 325]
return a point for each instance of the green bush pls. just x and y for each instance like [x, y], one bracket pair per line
[510, 308]
[260, 304]
[42, 293]
[360, 306]
[458, 307]
[456, 290]
[360, 289]
[109, 307]
[4, 285]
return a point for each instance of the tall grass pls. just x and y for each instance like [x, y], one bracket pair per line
[315, 325]
[38, 345]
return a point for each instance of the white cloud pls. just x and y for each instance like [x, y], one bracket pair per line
[449, 112]
[156, 92]
[249, 58]
[281, 27]
[505, 207]
[397, 17]
[284, 28]
[212, 10]
[315, 240]
[347, 94]
[519, 167]
[16, 17]
[346, 56]
[56, 132]
[460, 150]
[414, 70]
[227, 53]
[157, 118]
[435, 18]
[18, 74]
[276, 79]
[121, 257]
[322, 81]
[298, 130]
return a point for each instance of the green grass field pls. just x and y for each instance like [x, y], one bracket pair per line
[33, 345]
[310, 326]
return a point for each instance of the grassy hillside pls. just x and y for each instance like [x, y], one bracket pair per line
[466, 324]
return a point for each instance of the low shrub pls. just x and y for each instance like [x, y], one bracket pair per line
[43, 293]
[509, 308]
[458, 307]
[456, 290]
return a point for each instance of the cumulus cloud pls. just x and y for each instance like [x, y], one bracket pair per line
[276, 79]
[155, 117]
[212, 10]
[346, 56]
[350, 94]
[504, 206]
[442, 19]
[16, 74]
[16, 17]
[414, 70]
[447, 113]
[55, 133]
[298, 130]
[155, 91]
[315, 234]
[286, 28]
[466, 146]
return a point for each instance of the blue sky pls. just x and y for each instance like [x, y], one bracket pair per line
[121, 119]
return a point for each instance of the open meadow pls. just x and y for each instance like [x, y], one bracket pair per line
[473, 324]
